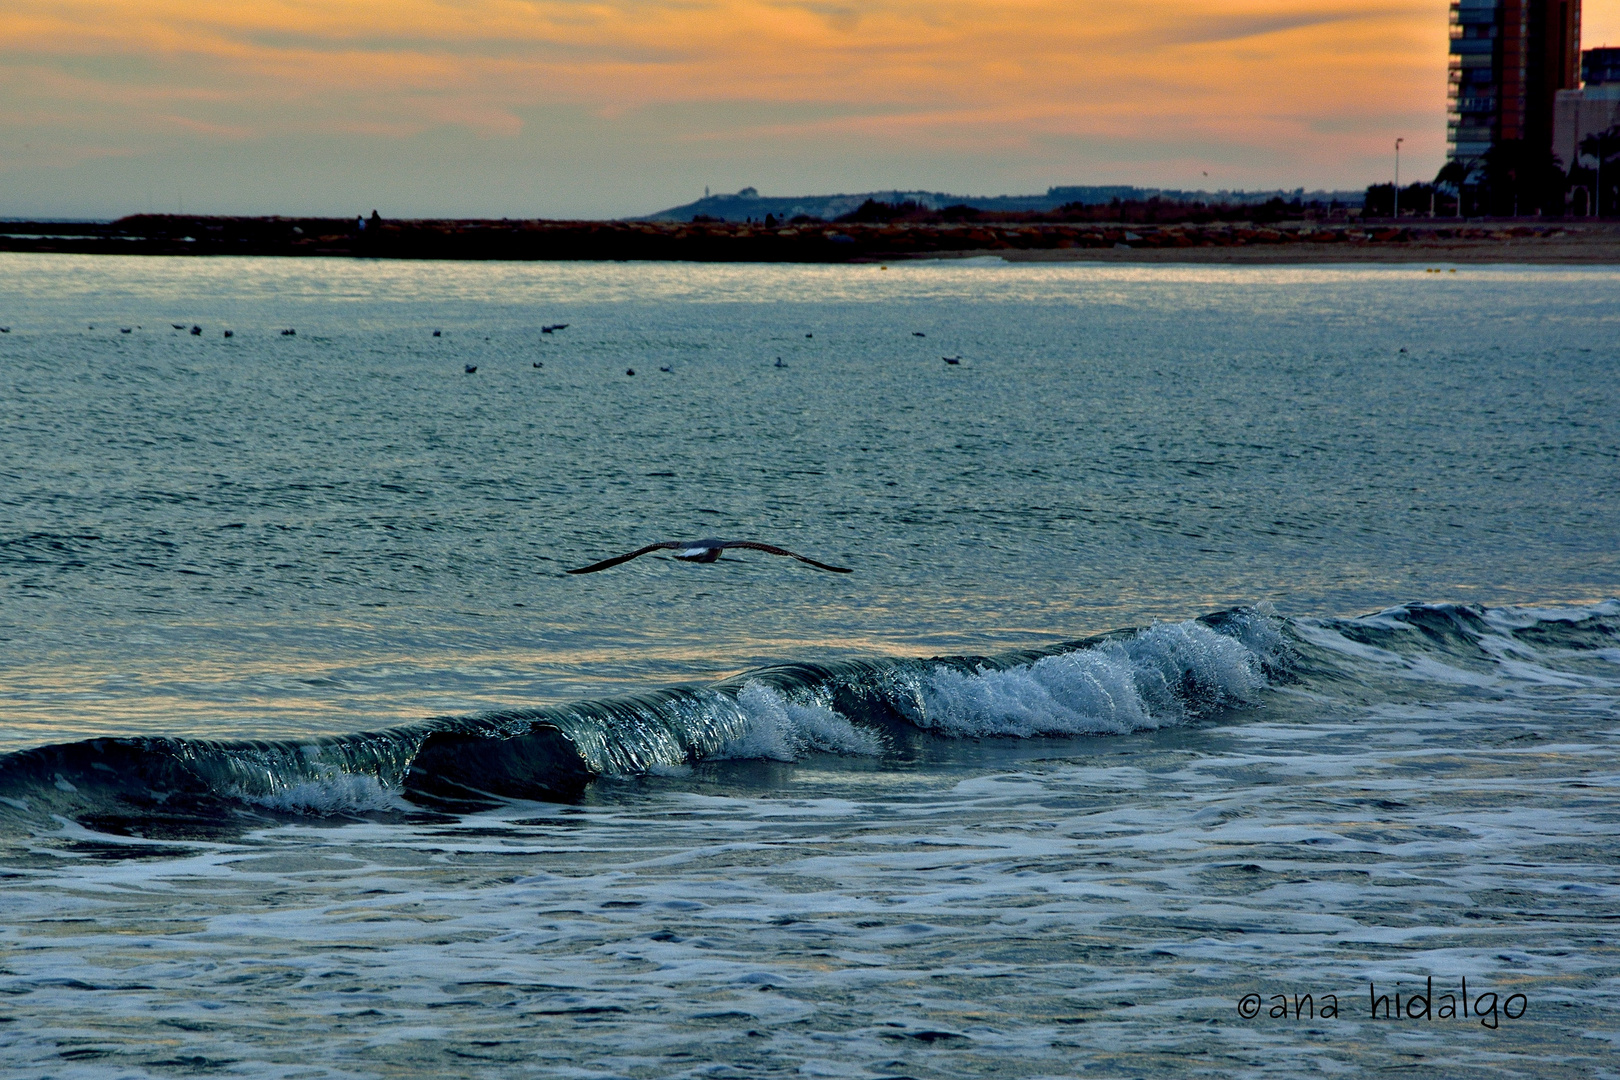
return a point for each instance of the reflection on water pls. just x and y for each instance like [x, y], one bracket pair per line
[342, 529]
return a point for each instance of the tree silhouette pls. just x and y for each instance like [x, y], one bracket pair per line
[1453, 174]
[1518, 179]
[873, 212]
[1379, 201]
[1603, 146]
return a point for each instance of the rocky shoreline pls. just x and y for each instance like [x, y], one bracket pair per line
[1410, 240]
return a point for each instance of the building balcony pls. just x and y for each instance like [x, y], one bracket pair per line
[1472, 46]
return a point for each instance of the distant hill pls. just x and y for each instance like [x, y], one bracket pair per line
[750, 204]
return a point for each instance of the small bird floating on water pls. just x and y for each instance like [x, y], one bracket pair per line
[5, 329]
[230, 333]
[779, 362]
[289, 332]
[665, 367]
[918, 333]
[435, 333]
[538, 364]
[629, 371]
[178, 325]
[472, 368]
[705, 551]
[553, 328]
[952, 360]
[196, 331]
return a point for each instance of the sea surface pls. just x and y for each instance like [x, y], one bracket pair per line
[1217, 636]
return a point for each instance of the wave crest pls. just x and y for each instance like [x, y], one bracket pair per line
[1120, 682]
[782, 730]
[1159, 676]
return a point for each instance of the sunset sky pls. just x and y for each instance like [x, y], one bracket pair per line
[528, 108]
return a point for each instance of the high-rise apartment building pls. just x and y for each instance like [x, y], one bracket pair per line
[1591, 110]
[1600, 67]
[1509, 58]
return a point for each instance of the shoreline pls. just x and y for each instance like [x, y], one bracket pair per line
[1417, 240]
[1520, 253]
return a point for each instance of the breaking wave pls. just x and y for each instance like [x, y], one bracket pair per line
[1115, 683]
[1156, 677]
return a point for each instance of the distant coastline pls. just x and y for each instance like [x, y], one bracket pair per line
[1409, 240]
[749, 205]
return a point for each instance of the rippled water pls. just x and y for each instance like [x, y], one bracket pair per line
[790, 843]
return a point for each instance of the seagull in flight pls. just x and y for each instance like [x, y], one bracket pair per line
[705, 551]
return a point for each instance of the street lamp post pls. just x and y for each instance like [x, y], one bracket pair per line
[1398, 178]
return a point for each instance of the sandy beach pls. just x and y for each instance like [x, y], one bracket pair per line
[1571, 244]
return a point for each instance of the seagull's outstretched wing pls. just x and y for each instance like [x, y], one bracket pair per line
[617, 559]
[784, 551]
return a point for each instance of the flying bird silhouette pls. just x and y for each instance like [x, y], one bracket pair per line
[705, 551]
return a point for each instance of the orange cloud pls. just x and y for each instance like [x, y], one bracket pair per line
[1149, 52]
[1303, 79]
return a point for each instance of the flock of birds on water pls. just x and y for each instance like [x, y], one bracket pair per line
[472, 369]
[695, 551]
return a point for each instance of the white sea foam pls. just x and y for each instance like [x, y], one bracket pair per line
[333, 793]
[1043, 916]
[1144, 682]
[1010, 916]
[1517, 664]
[784, 731]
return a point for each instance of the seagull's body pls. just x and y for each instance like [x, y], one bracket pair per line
[704, 551]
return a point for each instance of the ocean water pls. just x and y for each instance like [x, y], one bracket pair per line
[1216, 637]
